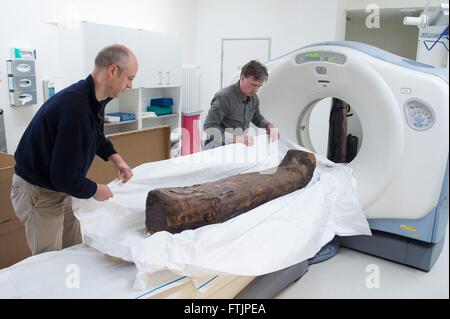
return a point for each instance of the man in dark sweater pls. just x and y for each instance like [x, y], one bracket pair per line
[57, 150]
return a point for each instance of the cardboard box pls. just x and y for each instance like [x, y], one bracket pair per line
[13, 243]
[136, 148]
[6, 173]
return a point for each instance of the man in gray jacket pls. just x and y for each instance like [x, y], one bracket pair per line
[233, 109]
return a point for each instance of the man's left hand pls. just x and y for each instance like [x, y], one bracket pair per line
[272, 132]
[124, 173]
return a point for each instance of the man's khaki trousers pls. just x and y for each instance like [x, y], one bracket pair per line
[47, 215]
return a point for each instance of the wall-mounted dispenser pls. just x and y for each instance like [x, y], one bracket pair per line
[51, 87]
[22, 77]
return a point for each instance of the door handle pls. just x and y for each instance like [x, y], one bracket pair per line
[168, 78]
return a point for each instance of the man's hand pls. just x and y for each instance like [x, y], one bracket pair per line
[244, 139]
[103, 193]
[124, 173]
[272, 132]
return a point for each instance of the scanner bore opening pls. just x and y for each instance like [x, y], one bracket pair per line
[331, 127]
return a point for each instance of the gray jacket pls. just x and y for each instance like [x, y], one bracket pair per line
[231, 110]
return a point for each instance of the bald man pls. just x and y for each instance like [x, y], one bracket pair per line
[57, 150]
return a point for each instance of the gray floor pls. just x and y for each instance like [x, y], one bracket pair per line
[351, 274]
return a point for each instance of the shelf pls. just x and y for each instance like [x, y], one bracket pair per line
[159, 117]
[175, 137]
[120, 123]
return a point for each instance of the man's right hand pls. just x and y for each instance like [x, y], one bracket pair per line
[103, 193]
[244, 139]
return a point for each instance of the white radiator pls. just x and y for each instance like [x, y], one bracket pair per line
[190, 89]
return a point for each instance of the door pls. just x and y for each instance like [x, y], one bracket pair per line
[159, 59]
[237, 52]
[172, 60]
[96, 37]
[2, 133]
[165, 58]
[133, 40]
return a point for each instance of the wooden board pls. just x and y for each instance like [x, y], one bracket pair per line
[136, 148]
[6, 174]
[13, 243]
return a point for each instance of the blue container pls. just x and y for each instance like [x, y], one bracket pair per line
[124, 116]
[161, 102]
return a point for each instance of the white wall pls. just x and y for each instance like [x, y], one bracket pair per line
[203, 23]
[16, 30]
[290, 23]
[171, 16]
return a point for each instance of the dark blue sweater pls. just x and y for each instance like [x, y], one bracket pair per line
[61, 141]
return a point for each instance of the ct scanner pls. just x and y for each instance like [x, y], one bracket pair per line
[401, 168]
[402, 165]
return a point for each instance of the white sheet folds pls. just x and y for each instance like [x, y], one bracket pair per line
[273, 236]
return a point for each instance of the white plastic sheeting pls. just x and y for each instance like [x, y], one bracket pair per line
[83, 272]
[273, 236]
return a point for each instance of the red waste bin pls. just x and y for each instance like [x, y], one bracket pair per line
[191, 135]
